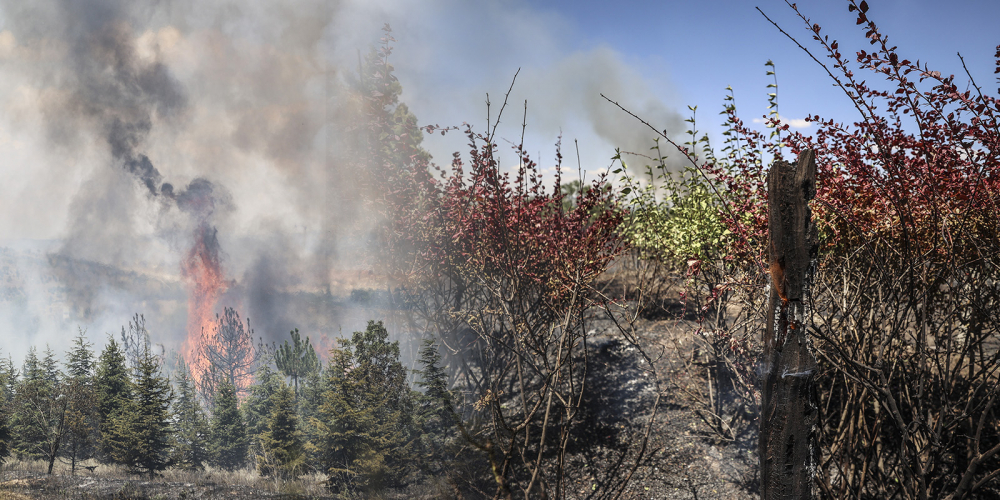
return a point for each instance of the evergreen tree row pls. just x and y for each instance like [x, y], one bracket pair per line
[356, 419]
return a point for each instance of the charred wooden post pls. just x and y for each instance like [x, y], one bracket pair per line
[789, 401]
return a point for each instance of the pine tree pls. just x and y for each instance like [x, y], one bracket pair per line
[296, 360]
[81, 416]
[32, 405]
[192, 434]
[438, 400]
[281, 443]
[32, 368]
[435, 412]
[257, 407]
[114, 398]
[80, 359]
[4, 434]
[140, 433]
[365, 415]
[229, 437]
[41, 405]
[118, 435]
[151, 435]
[50, 366]
[135, 341]
[312, 388]
[8, 377]
[444, 439]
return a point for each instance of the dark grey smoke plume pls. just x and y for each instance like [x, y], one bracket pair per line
[112, 86]
[267, 282]
[200, 198]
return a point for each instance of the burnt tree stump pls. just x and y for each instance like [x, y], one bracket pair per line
[789, 400]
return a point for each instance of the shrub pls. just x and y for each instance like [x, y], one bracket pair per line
[903, 312]
[903, 302]
[500, 269]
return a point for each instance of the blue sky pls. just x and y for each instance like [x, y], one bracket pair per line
[687, 53]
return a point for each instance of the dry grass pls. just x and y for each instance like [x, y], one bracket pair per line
[30, 477]
[10, 495]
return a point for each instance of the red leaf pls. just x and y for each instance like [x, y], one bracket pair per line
[864, 6]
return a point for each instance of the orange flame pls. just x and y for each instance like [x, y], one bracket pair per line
[203, 272]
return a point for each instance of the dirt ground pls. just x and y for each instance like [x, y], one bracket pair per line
[684, 458]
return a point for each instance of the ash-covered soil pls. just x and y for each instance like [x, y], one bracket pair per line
[683, 459]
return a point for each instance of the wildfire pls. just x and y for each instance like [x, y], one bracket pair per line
[203, 273]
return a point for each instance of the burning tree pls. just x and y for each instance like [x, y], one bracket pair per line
[228, 354]
[203, 270]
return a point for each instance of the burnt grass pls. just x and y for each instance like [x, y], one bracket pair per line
[684, 458]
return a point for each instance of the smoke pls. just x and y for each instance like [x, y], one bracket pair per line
[149, 140]
[119, 95]
[573, 87]
[122, 94]
[466, 50]
[127, 96]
